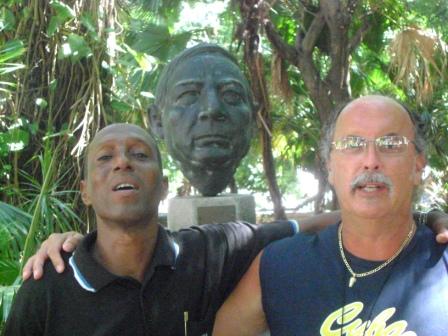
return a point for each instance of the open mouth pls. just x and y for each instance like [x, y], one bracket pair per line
[124, 187]
[371, 187]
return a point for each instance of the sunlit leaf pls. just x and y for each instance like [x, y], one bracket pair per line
[53, 26]
[41, 102]
[53, 84]
[62, 13]
[62, 10]
[6, 297]
[7, 20]
[11, 50]
[88, 23]
[10, 67]
[75, 48]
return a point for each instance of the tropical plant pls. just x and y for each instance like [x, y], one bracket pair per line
[68, 67]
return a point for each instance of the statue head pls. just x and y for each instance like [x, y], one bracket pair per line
[204, 111]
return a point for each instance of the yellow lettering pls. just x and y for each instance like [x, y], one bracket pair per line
[398, 328]
[380, 322]
[343, 315]
[346, 319]
[356, 328]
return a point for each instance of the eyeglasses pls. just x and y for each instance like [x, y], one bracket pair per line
[386, 144]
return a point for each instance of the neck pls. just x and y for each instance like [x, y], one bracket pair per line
[126, 251]
[375, 239]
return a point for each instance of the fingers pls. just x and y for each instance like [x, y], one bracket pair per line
[73, 240]
[440, 228]
[35, 264]
[28, 269]
[442, 237]
[51, 249]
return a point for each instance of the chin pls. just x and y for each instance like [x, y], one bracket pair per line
[372, 212]
[128, 217]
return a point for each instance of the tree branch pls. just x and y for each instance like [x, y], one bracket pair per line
[286, 51]
[357, 37]
[313, 32]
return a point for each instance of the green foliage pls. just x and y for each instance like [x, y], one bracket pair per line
[62, 13]
[159, 42]
[14, 224]
[75, 48]
[14, 137]
[7, 19]
[65, 71]
[6, 297]
[9, 51]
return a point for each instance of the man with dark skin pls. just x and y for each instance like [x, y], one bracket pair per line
[130, 252]
[204, 110]
[131, 276]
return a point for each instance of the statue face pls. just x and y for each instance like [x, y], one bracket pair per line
[207, 118]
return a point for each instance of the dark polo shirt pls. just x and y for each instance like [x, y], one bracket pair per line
[191, 273]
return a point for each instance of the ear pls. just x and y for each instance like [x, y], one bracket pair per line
[164, 188]
[84, 193]
[420, 163]
[155, 120]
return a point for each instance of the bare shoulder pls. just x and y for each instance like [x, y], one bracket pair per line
[242, 312]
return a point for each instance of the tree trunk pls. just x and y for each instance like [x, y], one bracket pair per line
[331, 22]
[250, 11]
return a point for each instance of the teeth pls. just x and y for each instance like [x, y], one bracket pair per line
[124, 186]
[370, 188]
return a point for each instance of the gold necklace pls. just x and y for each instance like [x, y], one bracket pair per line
[376, 269]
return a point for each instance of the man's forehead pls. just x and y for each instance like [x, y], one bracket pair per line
[120, 132]
[373, 100]
[384, 111]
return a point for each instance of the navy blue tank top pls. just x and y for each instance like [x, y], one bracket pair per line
[305, 289]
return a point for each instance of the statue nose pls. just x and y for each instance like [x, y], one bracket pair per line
[212, 108]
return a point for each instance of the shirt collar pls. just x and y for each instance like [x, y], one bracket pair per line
[92, 276]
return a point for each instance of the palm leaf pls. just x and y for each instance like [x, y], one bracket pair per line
[14, 221]
[9, 271]
[7, 294]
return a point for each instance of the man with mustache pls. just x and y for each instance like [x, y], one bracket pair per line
[376, 272]
[131, 276]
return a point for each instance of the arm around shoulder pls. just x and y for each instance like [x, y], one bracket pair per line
[242, 313]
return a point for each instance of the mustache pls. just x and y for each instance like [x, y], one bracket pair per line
[367, 177]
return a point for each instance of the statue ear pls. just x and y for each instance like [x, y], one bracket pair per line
[155, 120]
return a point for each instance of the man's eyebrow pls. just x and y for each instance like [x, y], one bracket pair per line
[360, 136]
[110, 142]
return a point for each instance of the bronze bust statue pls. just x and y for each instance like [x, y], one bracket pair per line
[204, 110]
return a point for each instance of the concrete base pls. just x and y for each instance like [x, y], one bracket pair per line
[196, 210]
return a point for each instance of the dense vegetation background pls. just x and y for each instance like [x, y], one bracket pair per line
[70, 67]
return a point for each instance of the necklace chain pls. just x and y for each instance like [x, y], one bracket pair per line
[355, 275]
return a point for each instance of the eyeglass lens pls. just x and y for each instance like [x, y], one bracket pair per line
[388, 144]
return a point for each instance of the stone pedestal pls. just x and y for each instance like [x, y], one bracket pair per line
[196, 210]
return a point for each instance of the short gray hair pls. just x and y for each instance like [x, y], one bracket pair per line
[327, 137]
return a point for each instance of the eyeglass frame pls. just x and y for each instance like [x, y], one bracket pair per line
[365, 142]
